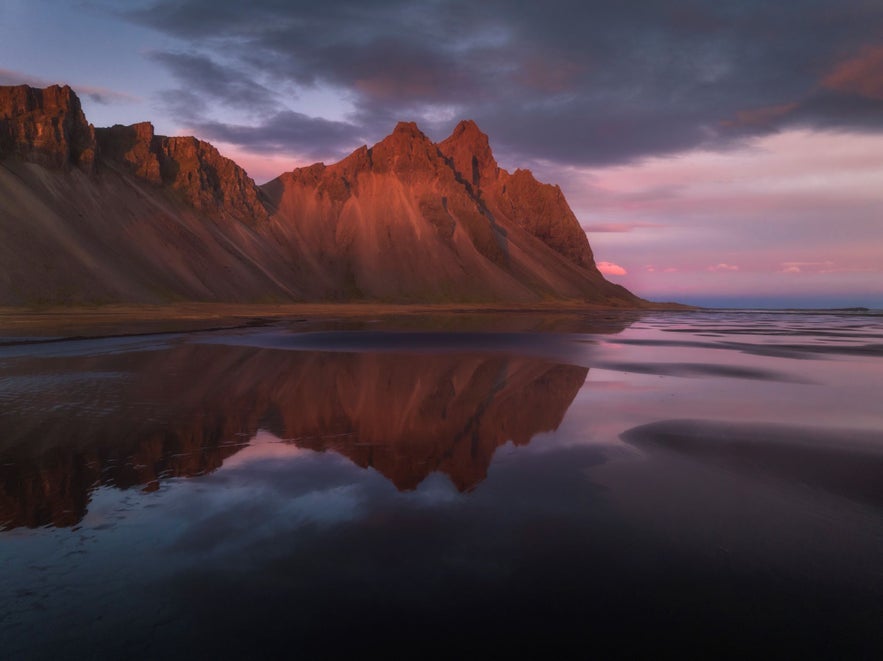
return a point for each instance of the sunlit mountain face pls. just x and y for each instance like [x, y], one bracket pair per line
[407, 220]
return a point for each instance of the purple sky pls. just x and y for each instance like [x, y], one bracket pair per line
[717, 152]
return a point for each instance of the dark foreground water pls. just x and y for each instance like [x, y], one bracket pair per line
[697, 483]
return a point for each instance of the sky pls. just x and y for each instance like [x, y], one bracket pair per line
[717, 152]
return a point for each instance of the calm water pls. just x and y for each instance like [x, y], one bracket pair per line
[697, 482]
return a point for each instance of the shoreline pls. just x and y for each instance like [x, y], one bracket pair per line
[21, 325]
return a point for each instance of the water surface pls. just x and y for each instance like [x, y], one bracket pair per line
[697, 482]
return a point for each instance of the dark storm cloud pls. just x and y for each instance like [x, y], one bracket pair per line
[204, 78]
[310, 136]
[579, 82]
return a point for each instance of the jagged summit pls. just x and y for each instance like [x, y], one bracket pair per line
[468, 135]
[408, 219]
[406, 150]
[159, 218]
[408, 128]
[538, 208]
[470, 152]
[194, 168]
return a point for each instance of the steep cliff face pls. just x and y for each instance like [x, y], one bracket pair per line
[136, 147]
[206, 180]
[408, 219]
[46, 126]
[392, 222]
[538, 208]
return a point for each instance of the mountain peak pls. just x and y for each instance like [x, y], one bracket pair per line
[467, 128]
[406, 149]
[406, 133]
[406, 220]
[470, 153]
[408, 128]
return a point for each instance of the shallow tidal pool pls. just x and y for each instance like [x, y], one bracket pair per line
[702, 483]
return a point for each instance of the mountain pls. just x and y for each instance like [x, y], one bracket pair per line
[121, 214]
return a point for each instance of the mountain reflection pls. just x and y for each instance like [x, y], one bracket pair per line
[135, 418]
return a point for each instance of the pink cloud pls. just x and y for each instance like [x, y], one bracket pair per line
[796, 196]
[618, 227]
[790, 169]
[723, 267]
[548, 74]
[260, 167]
[824, 267]
[799, 267]
[760, 116]
[609, 268]
[861, 74]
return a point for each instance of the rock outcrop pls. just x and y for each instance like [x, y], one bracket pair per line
[538, 208]
[46, 126]
[206, 180]
[136, 147]
[121, 214]
[408, 219]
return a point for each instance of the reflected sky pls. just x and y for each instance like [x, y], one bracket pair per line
[266, 492]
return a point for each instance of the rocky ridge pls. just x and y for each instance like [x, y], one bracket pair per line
[406, 220]
[208, 181]
[538, 208]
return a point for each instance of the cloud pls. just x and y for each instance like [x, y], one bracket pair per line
[816, 267]
[97, 94]
[761, 117]
[609, 268]
[287, 132]
[614, 228]
[861, 74]
[582, 83]
[849, 95]
[723, 267]
[209, 87]
[205, 79]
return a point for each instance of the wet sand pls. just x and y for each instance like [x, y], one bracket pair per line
[844, 462]
[637, 483]
[113, 320]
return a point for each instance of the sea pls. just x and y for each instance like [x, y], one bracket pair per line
[704, 484]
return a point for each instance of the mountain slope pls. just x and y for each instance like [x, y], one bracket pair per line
[124, 215]
[399, 221]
